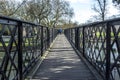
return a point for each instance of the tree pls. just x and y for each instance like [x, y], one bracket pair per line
[100, 7]
[116, 2]
[10, 7]
[35, 10]
[44, 12]
[60, 11]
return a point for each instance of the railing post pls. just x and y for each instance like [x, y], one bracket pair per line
[48, 37]
[52, 34]
[70, 34]
[76, 38]
[20, 60]
[41, 40]
[77, 42]
[83, 41]
[108, 47]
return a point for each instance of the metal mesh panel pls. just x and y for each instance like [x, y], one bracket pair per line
[21, 46]
[8, 51]
[99, 43]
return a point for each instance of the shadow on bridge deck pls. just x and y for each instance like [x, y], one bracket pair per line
[62, 63]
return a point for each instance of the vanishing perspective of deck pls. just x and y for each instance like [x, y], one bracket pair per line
[62, 63]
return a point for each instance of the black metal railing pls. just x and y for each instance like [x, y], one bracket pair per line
[21, 45]
[99, 43]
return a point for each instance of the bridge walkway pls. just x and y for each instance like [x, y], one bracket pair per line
[62, 63]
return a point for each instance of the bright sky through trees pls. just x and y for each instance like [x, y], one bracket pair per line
[83, 11]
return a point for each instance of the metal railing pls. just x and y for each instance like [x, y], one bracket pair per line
[99, 43]
[21, 45]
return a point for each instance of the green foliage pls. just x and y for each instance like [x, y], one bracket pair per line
[6, 43]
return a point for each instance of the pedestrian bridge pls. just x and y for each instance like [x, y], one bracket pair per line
[63, 63]
[35, 52]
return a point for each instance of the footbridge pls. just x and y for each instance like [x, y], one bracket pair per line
[30, 51]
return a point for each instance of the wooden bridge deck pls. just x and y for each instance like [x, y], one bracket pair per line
[62, 63]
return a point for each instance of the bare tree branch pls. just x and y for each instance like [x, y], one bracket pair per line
[101, 9]
[18, 8]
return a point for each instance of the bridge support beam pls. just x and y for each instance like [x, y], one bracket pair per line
[108, 48]
[20, 60]
[77, 36]
[83, 41]
[42, 41]
[48, 37]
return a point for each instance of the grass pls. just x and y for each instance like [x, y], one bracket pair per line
[119, 34]
[98, 34]
[6, 44]
[26, 44]
[103, 34]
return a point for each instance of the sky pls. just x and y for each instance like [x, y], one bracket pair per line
[83, 11]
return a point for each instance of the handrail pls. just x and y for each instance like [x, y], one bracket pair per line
[99, 43]
[25, 45]
[96, 23]
[17, 20]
